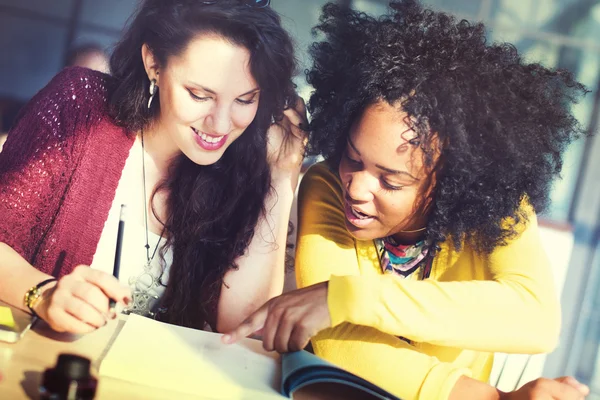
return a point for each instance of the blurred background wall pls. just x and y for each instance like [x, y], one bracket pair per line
[36, 37]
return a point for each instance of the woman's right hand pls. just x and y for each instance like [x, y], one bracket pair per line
[287, 142]
[563, 388]
[79, 302]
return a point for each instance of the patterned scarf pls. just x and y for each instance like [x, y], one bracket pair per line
[404, 260]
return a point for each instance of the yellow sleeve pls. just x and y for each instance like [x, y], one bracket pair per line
[388, 362]
[515, 311]
[325, 248]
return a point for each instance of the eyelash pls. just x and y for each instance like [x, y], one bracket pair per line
[197, 98]
[385, 186]
[390, 188]
[246, 102]
[239, 101]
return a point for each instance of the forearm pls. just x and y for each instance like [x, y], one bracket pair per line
[278, 210]
[261, 269]
[16, 276]
[268, 246]
[503, 316]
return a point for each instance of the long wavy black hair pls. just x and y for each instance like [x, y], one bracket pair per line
[499, 124]
[212, 210]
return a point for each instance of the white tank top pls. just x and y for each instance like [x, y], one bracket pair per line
[147, 284]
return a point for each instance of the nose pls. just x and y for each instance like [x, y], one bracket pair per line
[358, 187]
[219, 120]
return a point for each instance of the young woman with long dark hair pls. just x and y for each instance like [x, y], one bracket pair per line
[197, 131]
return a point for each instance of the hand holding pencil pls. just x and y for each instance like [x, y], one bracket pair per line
[84, 300]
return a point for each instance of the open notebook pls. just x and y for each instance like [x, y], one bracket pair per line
[195, 362]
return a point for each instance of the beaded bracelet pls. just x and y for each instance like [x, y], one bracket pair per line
[33, 295]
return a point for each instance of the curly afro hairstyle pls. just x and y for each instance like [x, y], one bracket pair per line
[501, 124]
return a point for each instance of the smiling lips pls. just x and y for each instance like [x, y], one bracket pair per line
[209, 142]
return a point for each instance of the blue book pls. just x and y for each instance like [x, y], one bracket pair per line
[302, 369]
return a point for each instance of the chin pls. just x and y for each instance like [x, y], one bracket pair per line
[200, 157]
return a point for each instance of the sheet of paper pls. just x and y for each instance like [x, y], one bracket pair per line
[170, 357]
[6, 317]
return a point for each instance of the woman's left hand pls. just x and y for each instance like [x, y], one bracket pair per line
[287, 141]
[289, 321]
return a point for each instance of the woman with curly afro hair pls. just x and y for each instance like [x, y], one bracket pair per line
[419, 253]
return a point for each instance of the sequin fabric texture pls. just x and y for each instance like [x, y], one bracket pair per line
[58, 172]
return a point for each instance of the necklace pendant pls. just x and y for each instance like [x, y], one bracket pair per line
[143, 304]
[145, 301]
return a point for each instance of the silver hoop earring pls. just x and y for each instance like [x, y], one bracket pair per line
[153, 90]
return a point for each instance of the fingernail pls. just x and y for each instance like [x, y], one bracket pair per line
[119, 309]
[114, 310]
[226, 338]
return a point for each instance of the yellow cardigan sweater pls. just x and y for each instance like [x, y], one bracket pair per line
[470, 307]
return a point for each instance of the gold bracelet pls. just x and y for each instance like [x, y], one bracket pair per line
[32, 296]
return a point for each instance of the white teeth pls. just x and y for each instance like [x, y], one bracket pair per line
[209, 139]
[357, 215]
[206, 138]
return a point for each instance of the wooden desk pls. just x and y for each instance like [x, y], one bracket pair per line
[23, 363]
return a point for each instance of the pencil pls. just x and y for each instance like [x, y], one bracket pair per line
[117, 264]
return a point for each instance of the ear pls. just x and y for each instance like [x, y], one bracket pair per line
[150, 63]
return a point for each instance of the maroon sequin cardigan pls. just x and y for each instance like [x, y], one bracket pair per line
[59, 171]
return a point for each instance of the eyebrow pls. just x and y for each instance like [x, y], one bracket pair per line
[204, 88]
[385, 169]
